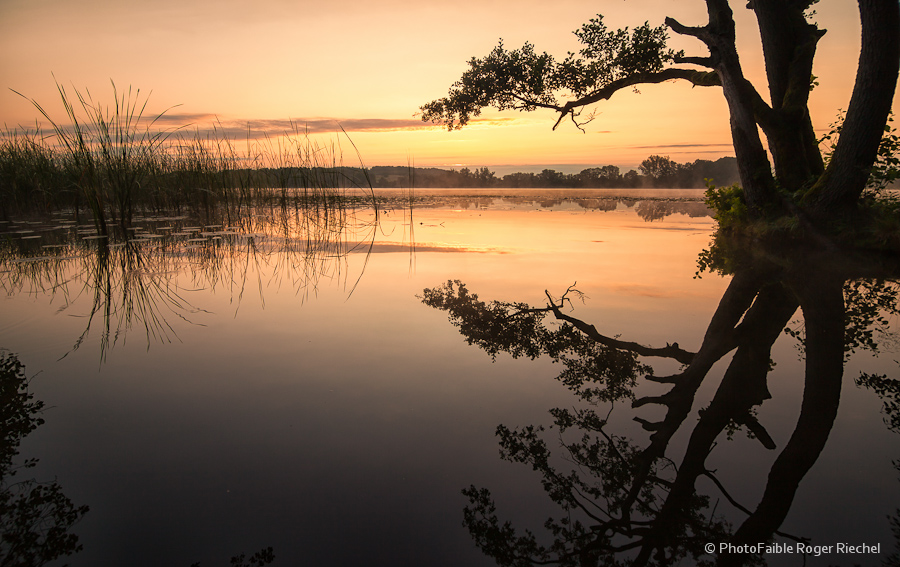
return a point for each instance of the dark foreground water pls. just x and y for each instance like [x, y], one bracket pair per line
[215, 390]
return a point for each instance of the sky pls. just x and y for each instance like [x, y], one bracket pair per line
[368, 66]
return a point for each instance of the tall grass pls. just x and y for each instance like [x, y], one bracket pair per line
[106, 153]
[115, 161]
[30, 176]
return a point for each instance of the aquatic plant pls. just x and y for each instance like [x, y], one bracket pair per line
[106, 153]
[117, 161]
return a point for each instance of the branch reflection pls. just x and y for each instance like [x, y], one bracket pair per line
[624, 503]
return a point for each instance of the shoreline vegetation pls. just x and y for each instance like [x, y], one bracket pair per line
[655, 172]
[112, 162]
[36, 174]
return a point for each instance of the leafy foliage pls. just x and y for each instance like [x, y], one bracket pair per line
[727, 203]
[35, 517]
[523, 79]
[659, 167]
[18, 411]
[593, 371]
[888, 389]
[261, 558]
[494, 327]
[868, 307]
[608, 56]
[609, 492]
[869, 304]
[600, 517]
[886, 168]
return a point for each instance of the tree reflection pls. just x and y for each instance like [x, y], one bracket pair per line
[35, 517]
[625, 504]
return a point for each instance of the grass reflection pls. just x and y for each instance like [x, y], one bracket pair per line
[142, 283]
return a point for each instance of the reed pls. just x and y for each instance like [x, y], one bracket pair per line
[30, 176]
[114, 161]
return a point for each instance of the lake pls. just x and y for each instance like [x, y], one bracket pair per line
[216, 389]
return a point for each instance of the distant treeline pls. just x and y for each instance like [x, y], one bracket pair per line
[655, 171]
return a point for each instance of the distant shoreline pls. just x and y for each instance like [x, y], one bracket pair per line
[656, 172]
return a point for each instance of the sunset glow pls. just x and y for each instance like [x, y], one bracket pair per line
[369, 67]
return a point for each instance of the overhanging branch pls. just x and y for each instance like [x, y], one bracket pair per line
[669, 351]
[702, 61]
[695, 77]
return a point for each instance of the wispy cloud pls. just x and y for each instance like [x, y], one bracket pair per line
[257, 128]
[657, 146]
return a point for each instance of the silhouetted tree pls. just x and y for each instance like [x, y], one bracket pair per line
[551, 178]
[605, 176]
[662, 171]
[520, 180]
[631, 179]
[796, 182]
[636, 507]
[35, 517]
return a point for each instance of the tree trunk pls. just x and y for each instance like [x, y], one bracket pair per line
[838, 190]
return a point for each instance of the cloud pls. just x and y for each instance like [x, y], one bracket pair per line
[259, 128]
[643, 291]
[180, 119]
[209, 124]
[722, 145]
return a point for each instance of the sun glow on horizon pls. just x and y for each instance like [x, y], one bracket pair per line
[267, 71]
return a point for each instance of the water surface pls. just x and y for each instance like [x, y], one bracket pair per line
[215, 390]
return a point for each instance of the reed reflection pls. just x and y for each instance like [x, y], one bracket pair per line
[628, 503]
[142, 281]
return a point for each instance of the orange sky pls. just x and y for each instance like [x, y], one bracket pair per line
[369, 66]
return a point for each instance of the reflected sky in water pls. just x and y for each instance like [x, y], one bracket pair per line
[339, 428]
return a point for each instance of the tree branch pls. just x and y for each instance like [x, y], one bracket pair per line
[530, 103]
[702, 61]
[695, 77]
[711, 476]
[669, 351]
[757, 429]
[700, 32]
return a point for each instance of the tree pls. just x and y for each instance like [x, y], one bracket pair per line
[624, 504]
[35, 517]
[797, 181]
[662, 170]
[631, 179]
[657, 519]
[486, 177]
[551, 178]
[633, 505]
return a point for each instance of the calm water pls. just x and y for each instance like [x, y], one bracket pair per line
[290, 389]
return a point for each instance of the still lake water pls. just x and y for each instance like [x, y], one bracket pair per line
[262, 395]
